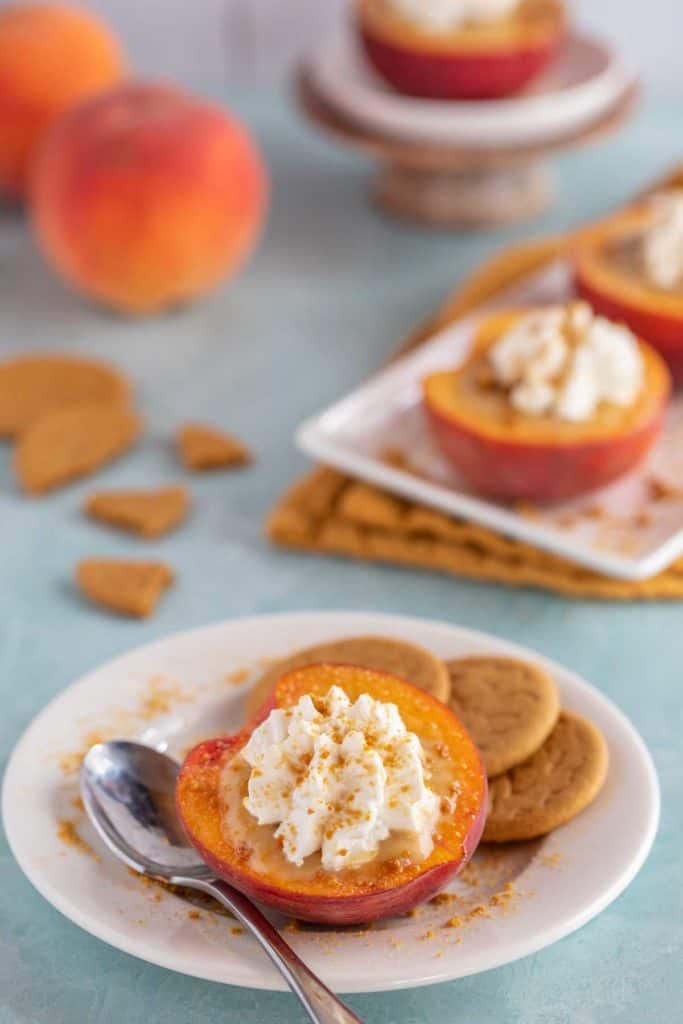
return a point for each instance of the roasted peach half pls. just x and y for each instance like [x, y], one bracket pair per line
[480, 62]
[212, 784]
[607, 273]
[511, 456]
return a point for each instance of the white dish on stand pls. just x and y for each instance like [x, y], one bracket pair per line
[583, 82]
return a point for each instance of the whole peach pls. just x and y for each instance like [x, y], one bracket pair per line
[146, 197]
[51, 56]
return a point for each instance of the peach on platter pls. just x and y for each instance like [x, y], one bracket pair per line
[608, 278]
[511, 456]
[248, 856]
[487, 62]
[52, 56]
[145, 198]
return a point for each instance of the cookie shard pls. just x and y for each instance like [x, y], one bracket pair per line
[72, 442]
[127, 587]
[508, 706]
[148, 513]
[202, 448]
[33, 385]
[383, 654]
[552, 787]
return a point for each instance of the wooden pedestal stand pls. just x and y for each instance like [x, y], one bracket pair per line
[448, 186]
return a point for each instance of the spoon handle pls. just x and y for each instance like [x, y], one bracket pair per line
[323, 1006]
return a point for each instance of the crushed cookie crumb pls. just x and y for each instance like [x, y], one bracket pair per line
[238, 676]
[663, 490]
[237, 930]
[194, 915]
[68, 834]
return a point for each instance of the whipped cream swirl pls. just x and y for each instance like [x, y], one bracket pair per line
[444, 15]
[564, 361]
[339, 778]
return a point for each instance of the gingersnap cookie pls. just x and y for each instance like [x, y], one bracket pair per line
[382, 653]
[147, 513]
[201, 448]
[127, 587]
[552, 787]
[72, 442]
[509, 707]
[33, 385]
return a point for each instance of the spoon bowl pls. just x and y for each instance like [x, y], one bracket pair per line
[128, 791]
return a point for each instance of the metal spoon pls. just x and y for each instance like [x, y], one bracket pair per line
[129, 793]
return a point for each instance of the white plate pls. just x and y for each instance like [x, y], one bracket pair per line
[638, 535]
[581, 84]
[594, 857]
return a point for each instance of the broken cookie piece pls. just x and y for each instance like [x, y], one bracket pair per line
[201, 448]
[72, 442]
[127, 587]
[149, 513]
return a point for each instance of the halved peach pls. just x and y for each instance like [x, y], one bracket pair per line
[483, 62]
[607, 275]
[212, 785]
[511, 456]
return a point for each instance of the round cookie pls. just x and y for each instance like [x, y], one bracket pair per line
[509, 707]
[45, 382]
[382, 653]
[552, 787]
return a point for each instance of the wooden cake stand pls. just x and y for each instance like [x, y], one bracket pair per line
[448, 186]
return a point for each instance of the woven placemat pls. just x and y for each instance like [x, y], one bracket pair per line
[330, 512]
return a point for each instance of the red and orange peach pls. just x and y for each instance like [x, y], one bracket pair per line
[145, 198]
[52, 56]
[381, 888]
[490, 62]
[513, 457]
[650, 312]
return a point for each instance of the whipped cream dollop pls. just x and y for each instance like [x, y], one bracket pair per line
[663, 240]
[442, 15]
[340, 778]
[564, 361]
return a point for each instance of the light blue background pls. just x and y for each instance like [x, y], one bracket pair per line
[331, 290]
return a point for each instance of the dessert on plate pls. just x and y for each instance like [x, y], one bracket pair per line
[551, 403]
[630, 268]
[357, 796]
[460, 49]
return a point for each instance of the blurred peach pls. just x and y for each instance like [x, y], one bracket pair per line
[51, 56]
[146, 197]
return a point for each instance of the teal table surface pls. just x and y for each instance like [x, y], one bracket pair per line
[331, 289]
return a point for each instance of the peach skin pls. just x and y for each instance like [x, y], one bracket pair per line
[52, 56]
[146, 198]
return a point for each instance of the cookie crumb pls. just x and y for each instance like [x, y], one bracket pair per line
[68, 834]
[127, 587]
[194, 915]
[237, 930]
[201, 448]
[238, 676]
[148, 513]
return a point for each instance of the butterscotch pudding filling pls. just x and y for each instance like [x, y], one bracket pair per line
[338, 780]
[564, 362]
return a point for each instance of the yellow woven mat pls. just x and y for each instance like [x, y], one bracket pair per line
[332, 513]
